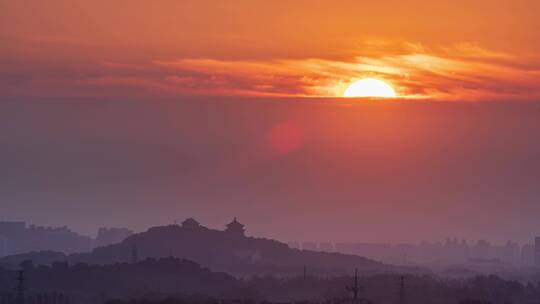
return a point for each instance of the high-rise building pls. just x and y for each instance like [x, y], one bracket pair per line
[511, 252]
[482, 249]
[527, 254]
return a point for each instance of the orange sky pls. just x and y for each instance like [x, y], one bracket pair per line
[468, 169]
[444, 50]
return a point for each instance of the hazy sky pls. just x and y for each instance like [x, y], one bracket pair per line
[136, 113]
[291, 169]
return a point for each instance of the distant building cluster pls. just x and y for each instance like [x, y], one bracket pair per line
[18, 237]
[448, 252]
[536, 254]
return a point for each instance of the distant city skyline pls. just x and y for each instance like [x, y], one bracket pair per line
[18, 237]
[109, 231]
[22, 238]
[255, 230]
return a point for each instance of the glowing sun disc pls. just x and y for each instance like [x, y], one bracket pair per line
[369, 87]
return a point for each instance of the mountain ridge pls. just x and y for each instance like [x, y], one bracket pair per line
[229, 251]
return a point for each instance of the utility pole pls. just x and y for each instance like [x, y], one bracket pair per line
[20, 287]
[134, 255]
[3, 249]
[355, 289]
[305, 272]
[402, 290]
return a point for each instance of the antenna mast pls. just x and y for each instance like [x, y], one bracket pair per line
[402, 290]
[134, 255]
[20, 287]
[355, 288]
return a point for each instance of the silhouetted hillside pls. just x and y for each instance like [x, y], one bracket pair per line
[170, 278]
[37, 258]
[228, 251]
[81, 281]
[376, 289]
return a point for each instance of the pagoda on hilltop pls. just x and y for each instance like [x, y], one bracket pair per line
[235, 228]
[190, 223]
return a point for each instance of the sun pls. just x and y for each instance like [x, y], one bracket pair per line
[369, 87]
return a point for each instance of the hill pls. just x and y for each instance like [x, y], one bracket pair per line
[83, 282]
[230, 251]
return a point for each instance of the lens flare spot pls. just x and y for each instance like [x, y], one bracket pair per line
[285, 138]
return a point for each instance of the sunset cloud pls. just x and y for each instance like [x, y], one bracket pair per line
[278, 49]
[464, 71]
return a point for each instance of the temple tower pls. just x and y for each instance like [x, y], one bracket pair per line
[235, 228]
